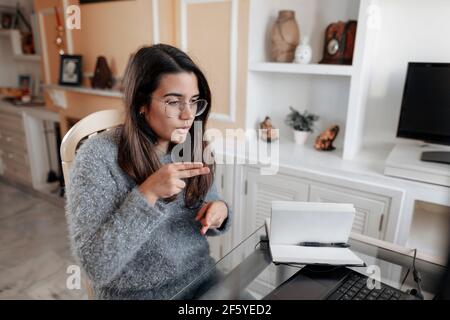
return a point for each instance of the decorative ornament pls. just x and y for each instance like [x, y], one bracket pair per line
[59, 40]
[267, 131]
[324, 141]
[303, 54]
[103, 78]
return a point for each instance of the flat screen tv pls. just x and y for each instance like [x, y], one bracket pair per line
[425, 110]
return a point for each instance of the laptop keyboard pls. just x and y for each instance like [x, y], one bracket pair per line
[354, 287]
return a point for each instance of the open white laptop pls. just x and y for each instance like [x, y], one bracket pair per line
[295, 226]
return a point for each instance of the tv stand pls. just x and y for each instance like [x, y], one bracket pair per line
[436, 156]
[405, 161]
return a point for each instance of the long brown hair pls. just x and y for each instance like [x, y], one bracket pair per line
[137, 153]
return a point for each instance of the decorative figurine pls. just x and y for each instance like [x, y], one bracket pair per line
[103, 78]
[268, 132]
[324, 141]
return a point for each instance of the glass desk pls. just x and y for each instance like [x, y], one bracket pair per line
[247, 271]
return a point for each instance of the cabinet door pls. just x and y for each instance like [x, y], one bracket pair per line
[220, 245]
[371, 209]
[261, 190]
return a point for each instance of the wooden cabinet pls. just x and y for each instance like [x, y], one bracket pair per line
[26, 156]
[13, 150]
[371, 209]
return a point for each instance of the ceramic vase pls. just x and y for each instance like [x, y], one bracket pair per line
[303, 54]
[284, 37]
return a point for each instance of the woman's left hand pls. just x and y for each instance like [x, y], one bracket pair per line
[211, 215]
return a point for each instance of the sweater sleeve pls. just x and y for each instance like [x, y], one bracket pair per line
[213, 195]
[106, 228]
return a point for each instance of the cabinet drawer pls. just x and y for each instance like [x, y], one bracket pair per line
[16, 171]
[9, 113]
[11, 122]
[12, 140]
[262, 190]
[371, 209]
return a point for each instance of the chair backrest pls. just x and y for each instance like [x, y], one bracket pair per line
[85, 128]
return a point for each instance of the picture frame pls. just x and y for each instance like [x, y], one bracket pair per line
[6, 20]
[25, 83]
[71, 70]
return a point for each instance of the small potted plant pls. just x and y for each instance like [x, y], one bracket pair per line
[302, 123]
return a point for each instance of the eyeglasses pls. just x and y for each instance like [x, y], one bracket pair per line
[174, 107]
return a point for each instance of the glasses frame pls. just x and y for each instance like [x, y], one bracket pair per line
[166, 103]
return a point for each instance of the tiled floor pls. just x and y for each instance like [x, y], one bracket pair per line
[34, 250]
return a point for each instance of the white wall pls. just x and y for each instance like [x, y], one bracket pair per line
[411, 30]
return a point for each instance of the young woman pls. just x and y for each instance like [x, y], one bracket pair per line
[137, 220]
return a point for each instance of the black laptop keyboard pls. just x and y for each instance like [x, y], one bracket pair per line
[354, 287]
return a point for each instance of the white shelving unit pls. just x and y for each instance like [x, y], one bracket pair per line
[337, 93]
[14, 35]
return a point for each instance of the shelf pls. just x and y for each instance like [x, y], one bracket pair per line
[14, 35]
[28, 57]
[318, 69]
[86, 90]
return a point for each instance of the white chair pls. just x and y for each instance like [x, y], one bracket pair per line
[86, 128]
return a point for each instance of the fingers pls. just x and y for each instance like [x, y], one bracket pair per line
[207, 222]
[202, 211]
[189, 169]
[208, 219]
[204, 218]
[180, 184]
[204, 229]
[187, 165]
[192, 172]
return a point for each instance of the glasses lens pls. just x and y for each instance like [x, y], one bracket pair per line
[201, 106]
[173, 108]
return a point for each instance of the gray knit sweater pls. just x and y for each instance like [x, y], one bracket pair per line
[129, 248]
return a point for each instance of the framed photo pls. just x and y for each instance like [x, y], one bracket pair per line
[70, 70]
[25, 83]
[6, 20]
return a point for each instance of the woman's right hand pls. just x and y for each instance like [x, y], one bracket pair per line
[167, 180]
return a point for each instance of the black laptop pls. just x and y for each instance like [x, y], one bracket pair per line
[333, 283]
